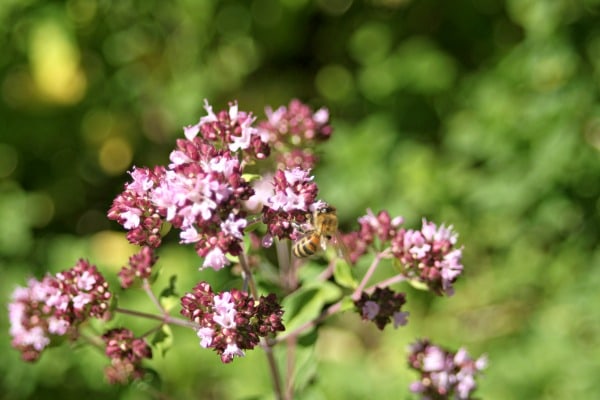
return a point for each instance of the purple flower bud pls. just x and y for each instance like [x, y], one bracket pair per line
[382, 307]
[126, 354]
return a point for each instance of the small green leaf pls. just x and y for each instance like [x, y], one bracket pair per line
[417, 284]
[307, 303]
[168, 297]
[250, 177]
[347, 304]
[342, 274]
[163, 339]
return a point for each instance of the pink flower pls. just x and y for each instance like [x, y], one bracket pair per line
[231, 322]
[443, 374]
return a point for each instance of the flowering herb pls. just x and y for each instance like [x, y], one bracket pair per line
[443, 374]
[235, 186]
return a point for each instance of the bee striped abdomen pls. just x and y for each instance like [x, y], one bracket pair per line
[306, 245]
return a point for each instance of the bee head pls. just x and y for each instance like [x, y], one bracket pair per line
[326, 209]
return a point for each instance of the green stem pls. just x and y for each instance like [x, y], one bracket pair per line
[167, 319]
[369, 273]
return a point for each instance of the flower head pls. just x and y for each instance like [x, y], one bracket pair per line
[444, 374]
[55, 306]
[230, 129]
[202, 191]
[294, 193]
[134, 210]
[126, 353]
[140, 267]
[293, 131]
[231, 322]
[428, 255]
[382, 307]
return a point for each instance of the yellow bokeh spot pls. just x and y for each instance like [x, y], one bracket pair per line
[115, 156]
[111, 249]
[54, 61]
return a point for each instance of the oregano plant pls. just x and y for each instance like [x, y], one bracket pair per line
[240, 193]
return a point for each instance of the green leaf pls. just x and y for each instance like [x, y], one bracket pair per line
[305, 369]
[307, 303]
[168, 297]
[347, 304]
[342, 274]
[417, 284]
[250, 177]
[163, 339]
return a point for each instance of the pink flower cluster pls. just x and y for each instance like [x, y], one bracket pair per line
[231, 130]
[444, 374]
[293, 131]
[134, 210]
[202, 192]
[126, 353]
[55, 306]
[231, 322]
[294, 194]
[428, 255]
[382, 307]
[140, 267]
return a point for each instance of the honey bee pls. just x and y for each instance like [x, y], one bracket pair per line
[325, 226]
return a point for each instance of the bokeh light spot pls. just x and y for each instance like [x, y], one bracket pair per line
[111, 249]
[334, 82]
[54, 61]
[370, 43]
[39, 209]
[115, 156]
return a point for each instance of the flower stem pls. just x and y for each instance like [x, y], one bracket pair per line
[368, 274]
[150, 293]
[387, 282]
[247, 274]
[291, 361]
[167, 319]
[275, 376]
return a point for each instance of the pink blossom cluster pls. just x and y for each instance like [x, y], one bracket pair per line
[202, 191]
[55, 306]
[231, 322]
[428, 255]
[134, 210]
[231, 130]
[382, 307]
[126, 353]
[443, 373]
[294, 195]
[293, 131]
[139, 267]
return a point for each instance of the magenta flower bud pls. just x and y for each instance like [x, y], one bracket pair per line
[126, 353]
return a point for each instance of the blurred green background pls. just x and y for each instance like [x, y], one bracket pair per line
[479, 113]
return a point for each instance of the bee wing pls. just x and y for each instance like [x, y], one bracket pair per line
[323, 243]
[342, 249]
